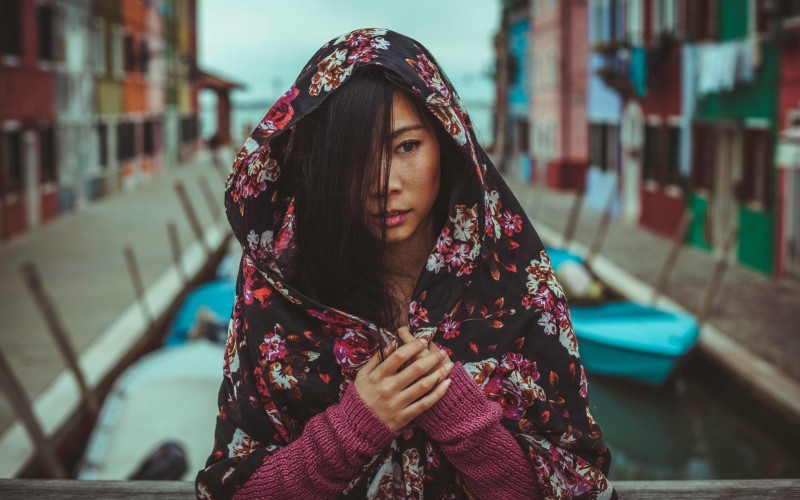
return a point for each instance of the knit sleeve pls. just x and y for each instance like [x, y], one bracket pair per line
[467, 426]
[333, 448]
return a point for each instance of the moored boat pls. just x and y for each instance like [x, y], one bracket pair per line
[622, 338]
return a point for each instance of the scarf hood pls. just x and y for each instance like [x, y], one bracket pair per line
[487, 295]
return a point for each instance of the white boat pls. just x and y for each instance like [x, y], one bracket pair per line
[170, 395]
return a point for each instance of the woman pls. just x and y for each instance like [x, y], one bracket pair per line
[380, 243]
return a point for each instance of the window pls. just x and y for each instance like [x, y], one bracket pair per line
[126, 141]
[129, 56]
[46, 27]
[666, 16]
[755, 185]
[597, 21]
[597, 144]
[789, 9]
[703, 157]
[117, 53]
[604, 146]
[47, 154]
[652, 152]
[149, 138]
[10, 28]
[144, 56]
[701, 19]
[189, 129]
[99, 47]
[12, 170]
[672, 174]
[102, 144]
[633, 21]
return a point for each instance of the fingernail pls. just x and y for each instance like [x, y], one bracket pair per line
[425, 342]
[448, 366]
[446, 382]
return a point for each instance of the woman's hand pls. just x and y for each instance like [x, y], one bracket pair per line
[404, 385]
[405, 336]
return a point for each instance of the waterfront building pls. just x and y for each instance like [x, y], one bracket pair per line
[97, 96]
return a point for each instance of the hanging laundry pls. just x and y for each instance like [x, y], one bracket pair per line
[717, 67]
[638, 70]
[745, 66]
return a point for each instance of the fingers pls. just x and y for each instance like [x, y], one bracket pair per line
[419, 368]
[426, 402]
[371, 364]
[406, 336]
[425, 384]
[403, 354]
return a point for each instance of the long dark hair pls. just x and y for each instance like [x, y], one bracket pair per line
[339, 154]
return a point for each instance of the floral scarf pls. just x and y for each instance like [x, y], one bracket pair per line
[488, 296]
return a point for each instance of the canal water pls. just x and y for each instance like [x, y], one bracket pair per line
[698, 426]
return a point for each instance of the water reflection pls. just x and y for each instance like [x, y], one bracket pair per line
[686, 430]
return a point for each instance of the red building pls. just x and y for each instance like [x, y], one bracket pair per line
[787, 258]
[559, 113]
[28, 176]
[658, 25]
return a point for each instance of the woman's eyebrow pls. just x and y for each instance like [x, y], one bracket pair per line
[407, 128]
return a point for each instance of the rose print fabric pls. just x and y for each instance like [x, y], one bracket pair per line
[488, 296]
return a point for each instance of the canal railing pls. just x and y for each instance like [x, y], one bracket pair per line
[169, 490]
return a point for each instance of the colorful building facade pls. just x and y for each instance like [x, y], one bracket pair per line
[98, 96]
[688, 103]
[559, 112]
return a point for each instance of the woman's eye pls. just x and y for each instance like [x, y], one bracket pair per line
[407, 147]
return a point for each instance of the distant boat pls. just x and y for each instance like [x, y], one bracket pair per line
[621, 338]
[210, 303]
[168, 396]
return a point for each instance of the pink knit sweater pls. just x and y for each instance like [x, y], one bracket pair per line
[338, 442]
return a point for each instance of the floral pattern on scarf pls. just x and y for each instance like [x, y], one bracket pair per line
[487, 296]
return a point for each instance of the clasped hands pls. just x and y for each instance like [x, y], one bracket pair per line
[410, 379]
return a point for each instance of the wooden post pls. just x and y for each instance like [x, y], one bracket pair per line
[59, 332]
[22, 407]
[138, 287]
[175, 245]
[572, 221]
[211, 200]
[704, 310]
[672, 257]
[602, 228]
[191, 215]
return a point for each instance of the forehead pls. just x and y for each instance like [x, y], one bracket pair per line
[405, 113]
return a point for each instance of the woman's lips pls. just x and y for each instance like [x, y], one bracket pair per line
[393, 219]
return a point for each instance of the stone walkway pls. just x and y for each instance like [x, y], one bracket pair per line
[81, 259]
[757, 311]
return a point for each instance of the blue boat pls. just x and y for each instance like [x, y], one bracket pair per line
[621, 338]
[215, 297]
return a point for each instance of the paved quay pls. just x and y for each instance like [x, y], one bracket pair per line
[753, 320]
[80, 257]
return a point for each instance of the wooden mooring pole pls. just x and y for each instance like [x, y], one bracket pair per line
[59, 332]
[138, 286]
[175, 245]
[704, 309]
[191, 215]
[22, 407]
[672, 257]
[572, 221]
[212, 201]
[602, 228]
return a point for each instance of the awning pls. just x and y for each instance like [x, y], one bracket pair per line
[788, 154]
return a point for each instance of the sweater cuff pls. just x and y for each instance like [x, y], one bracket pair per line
[368, 429]
[462, 411]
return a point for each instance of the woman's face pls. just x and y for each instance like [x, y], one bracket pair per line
[413, 178]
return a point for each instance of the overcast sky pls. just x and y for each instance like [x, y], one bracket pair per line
[265, 43]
